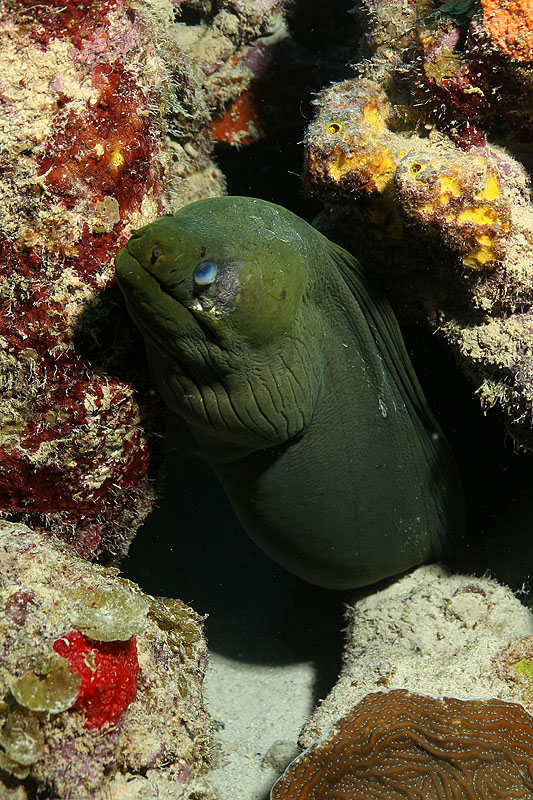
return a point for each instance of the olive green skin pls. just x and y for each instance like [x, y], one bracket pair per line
[291, 372]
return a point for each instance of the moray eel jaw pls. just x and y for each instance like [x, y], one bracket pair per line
[153, 308]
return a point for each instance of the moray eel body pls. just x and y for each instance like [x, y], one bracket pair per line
[290, 370]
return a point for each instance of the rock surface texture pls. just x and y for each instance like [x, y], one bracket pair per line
[435, 633]
[105, 126]
[434, 698]
[424, 160]
[100, 685]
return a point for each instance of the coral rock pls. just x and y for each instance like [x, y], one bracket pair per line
[419, 157]
[230, 50]
[104, 128]
[85, 717]
[82, 154]
[510, 27]
[430, 632]
[397, 745]
[350, 146]
[460, 198]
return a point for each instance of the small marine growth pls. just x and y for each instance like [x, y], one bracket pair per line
[100, 685]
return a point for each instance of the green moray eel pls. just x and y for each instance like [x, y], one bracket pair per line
[290, 370]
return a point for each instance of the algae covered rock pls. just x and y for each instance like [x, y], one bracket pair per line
[434, 698]
[432, 632]
[82, 160]
[100, 685]
[105, 127]
[423, 158]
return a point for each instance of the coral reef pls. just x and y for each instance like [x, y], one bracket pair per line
[240, 123]
[431, 632]
[100, 685]
[423, 160]
[106, 111]
[394, 745]
[82, 162]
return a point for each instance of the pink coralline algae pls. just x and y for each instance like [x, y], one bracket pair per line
[402, 746]
[423, 160]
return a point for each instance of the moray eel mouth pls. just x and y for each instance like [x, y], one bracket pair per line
[138, 281]
[160, 300]
[143, 290]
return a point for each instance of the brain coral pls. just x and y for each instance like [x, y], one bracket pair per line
[402, 746]
[424, 157]
[105, 113]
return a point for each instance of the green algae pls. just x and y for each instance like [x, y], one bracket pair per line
[21, 742]
[52, 691]
[109, 613]
[524, 668]
[22, 737]
[174, 618]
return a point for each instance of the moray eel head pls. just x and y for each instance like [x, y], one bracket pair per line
[218, 292]
[213, 270]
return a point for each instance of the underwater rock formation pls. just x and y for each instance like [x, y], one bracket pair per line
[231, 45]
[423, 160]
[105, 126]
[397, 745]
[431, 632]
[100, 685]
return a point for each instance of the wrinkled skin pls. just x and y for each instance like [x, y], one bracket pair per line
[291, 373]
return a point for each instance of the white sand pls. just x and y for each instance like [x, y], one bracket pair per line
[262, 710]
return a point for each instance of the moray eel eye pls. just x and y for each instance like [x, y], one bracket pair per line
[205, 272]
[155, 255]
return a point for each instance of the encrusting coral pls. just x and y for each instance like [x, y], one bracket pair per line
[398, 745]
[100, 685]
[412, 649]
[105, 126]
[427, 153]
[431, 632]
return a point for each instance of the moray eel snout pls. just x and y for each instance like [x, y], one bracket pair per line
[287, 363]
[156, 251]
[216, 282]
